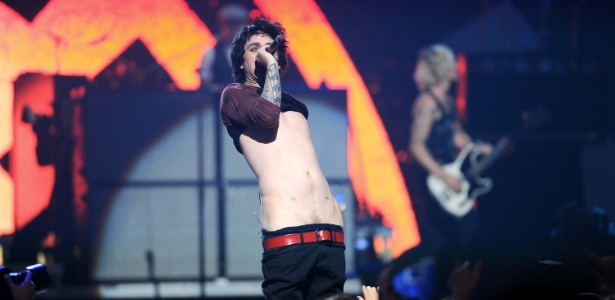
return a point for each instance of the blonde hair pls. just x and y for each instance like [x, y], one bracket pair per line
[439, 62]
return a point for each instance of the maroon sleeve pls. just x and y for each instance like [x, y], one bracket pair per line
[241, 105]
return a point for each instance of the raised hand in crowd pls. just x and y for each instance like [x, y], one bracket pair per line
[464, 279]
[369, 293]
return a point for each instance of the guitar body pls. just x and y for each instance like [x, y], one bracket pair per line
[472, 186]
[468, 168]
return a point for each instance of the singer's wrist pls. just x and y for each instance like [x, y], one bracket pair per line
[275, 62]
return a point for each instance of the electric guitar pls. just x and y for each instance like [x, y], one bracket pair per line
[468, 168]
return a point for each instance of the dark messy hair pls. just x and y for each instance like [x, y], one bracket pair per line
[256, 26]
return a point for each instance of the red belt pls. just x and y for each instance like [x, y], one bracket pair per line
[303, 237]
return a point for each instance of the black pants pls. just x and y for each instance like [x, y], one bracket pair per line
[304, 271]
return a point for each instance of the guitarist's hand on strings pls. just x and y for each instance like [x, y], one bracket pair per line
[452, 182]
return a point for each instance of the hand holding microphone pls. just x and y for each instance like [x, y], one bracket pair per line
[276, 43]
[264, 59]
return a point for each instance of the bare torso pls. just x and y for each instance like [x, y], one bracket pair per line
[293, 189]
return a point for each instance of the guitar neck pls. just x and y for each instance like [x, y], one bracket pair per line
[486, 162]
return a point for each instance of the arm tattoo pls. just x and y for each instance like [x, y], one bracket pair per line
[272, 90]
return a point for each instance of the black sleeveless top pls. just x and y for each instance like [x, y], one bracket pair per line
[440, 141]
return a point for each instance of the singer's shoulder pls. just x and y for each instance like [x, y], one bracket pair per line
[238, 90]
[235, 87]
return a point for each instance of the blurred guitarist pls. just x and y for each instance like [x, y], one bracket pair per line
[436, 138]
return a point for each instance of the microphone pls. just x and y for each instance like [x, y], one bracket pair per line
[276, 43]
